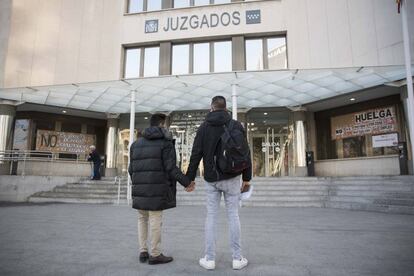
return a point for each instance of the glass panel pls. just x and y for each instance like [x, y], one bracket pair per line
[180, 59]
[222, 56]
[354, 147]
[201, 2]
[154, 5]
[181, 3]
[151, 61]
[132, 61]
[221, 1]
[258, 156]
[254, 54]
[135, 6]
[201, 58]
[276, 53]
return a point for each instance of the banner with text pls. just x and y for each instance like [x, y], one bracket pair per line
[373, 121]
[56, 141]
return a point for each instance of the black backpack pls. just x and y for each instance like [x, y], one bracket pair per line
[233, 153]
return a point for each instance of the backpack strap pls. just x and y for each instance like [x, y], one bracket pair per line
[230, 125]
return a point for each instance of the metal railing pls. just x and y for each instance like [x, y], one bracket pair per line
[118, 180]
[42, 156]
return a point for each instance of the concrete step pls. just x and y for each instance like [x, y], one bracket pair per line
[94, 186]
[259, 204]
[371, 207]
[376, 200]
[77, 195]
[265, 193]
[88, 190]
[394, 201]
[378, 187]
[371, 193]
[36, 199]
[269, 198]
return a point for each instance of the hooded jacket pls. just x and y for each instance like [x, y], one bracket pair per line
[154, 172]
[205, 147]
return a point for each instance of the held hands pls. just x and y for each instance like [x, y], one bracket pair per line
[190, 187]
[245, 186]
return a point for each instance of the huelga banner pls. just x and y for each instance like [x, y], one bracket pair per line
[373, 121]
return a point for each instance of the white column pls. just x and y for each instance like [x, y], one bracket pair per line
[131, 138]
[234, 100]
[111, 144]
[407, 54]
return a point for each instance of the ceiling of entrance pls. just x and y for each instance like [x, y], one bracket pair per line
[192, 92]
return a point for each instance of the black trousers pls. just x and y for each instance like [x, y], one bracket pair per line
[96, 173]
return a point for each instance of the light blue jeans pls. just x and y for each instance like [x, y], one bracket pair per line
[230, 188]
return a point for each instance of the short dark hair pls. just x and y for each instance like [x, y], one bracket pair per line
[218, 102]
[157, 119]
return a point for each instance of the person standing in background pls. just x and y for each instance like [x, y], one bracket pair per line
[95, 158]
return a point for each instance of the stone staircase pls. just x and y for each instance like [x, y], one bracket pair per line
[104, 191]
[393, 194]
[384, 194]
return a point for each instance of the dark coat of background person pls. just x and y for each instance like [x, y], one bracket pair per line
[96, 159]
[205, 146]
[153, 171]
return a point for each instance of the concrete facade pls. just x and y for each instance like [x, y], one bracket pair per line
[54, 168]
[18, 189]
[72, 41]
[5, 16]
[383, 165]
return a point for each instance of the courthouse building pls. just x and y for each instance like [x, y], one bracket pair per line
[318, 76]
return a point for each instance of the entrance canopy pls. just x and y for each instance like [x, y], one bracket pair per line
[191, 92]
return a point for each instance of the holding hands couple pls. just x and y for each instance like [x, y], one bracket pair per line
[221, 143]
[190, 187]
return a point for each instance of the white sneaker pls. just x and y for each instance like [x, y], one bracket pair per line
[209, 265]
[239, 264]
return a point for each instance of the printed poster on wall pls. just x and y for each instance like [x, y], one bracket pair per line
[385, 140]
[21, 134]
[56, 141]
[373, 121]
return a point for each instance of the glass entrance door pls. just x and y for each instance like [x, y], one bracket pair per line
[267, 131]
[269, 155]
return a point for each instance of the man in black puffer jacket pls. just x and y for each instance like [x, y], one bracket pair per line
[154, 174]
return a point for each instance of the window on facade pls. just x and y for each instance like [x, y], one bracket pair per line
[276, 53]
[254, 54]
[221, 1]
[138, 58]
[201, 59]
[198, 58]
[135, 6]
[151, 61]
[201, 2]
[222, 56]
[132, 63]
[180, 59]
[181, 3]
[154, 5]
[266, 53]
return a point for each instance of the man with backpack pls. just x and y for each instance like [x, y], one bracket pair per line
[221, 143]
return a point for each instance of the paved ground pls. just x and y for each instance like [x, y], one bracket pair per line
[63, 239]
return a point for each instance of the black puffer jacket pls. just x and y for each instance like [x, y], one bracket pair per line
[205, 142]
[154, 172]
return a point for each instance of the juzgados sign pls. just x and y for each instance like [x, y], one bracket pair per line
[204, 21]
